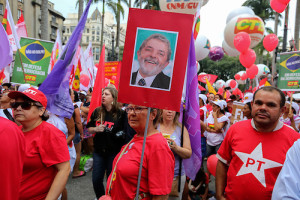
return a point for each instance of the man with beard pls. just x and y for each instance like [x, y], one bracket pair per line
[153, 56]
[253, 151]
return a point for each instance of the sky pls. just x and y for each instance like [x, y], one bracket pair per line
[213, 17]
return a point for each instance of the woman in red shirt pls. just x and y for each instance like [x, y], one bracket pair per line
[46, 163]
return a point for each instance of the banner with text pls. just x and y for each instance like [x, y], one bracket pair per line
[237, 112]
[111, 72]
[35, 56]
[289, 71]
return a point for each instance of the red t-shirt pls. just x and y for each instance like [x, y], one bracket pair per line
[157, 172]
[45, 146]
[11, 157]
[209, 107]
[255, 159]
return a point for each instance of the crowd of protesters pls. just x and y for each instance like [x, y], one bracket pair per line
[40, 149]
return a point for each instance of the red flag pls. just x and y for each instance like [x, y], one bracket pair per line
[210, 77]
[118, 75]
[21, 27]
[99, 85]
[201, 88]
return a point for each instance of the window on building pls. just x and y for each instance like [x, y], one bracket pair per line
[87, 30]
[19, 13]
[97, 38]
[67, 30]
[53, 31]
[98, 32]
[93, 38]
[1, 9]
[93, 32]
[72, 28]
[87, 38]
[96, 53]
[53, 19]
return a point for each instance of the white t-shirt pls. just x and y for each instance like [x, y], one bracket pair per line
[214, 139]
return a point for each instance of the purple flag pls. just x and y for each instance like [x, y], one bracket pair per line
[56, 85]
[192, 115]
[6, 53]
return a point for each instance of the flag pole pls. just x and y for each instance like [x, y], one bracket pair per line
[181, 145]
[22, 66]
[142, 157]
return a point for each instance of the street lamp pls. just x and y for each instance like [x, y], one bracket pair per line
[113, 48]
[292, 44]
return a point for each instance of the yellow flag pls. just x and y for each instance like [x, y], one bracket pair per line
[267, 83]
[210, 87]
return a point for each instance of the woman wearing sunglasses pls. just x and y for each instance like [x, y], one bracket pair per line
[108, 123]
[158, 162]
[46, 163]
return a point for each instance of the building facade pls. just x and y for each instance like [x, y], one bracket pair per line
[32, 15]
[92, 33]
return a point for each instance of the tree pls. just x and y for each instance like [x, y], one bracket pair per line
[261, 8]
[150, 4]
[225, 68]
[297, 25]
[44, 20]
[80, 9]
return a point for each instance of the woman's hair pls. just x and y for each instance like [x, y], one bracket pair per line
[90, 89]
[76, 96]
[45, 115]
[249, 105]
[175, 120]
[115, 109]
[220, 96]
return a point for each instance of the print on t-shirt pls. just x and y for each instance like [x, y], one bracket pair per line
[108, 125]
[256, 164]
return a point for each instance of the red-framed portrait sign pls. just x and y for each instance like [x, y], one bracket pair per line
[155, 58]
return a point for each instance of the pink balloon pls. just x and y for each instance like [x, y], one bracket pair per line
[242, 42]
[252, 71]
[284, 1]
[248, 58]
[84, 80]
[277, 6]
[113, 69]
[232, 84]
[106, 81]
[114, 78]
[212, 164]
[270, 42]
[237, 77]
[244, 76]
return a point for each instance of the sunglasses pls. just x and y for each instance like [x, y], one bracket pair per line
[24, 105]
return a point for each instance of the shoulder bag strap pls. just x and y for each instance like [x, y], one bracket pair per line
[113, 172]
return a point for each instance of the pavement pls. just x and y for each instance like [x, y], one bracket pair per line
[82, 188]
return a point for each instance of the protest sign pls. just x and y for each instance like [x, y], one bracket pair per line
[111, 71]
[289, 71]
[35, 56]
[155, 80]
[237, 112]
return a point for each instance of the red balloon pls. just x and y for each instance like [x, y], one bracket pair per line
[212, 164]
[237, 77]
[247, 59]
[105, 197]
[252, 71]
[84, 80]
[270, 42]
[284, 1]
[244, 76]
[277, 6]
[242, 42]
[232, 84]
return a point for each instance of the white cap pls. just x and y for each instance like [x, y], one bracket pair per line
[219, 103]
[248, 97]
[83, 92]
[23, 87]
[203, 97]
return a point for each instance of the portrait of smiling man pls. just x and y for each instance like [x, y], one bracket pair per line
[153, 57]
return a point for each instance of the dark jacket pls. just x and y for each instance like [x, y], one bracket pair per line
[160, 81]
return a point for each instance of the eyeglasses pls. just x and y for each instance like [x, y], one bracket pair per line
[24, 105]
[136, 110]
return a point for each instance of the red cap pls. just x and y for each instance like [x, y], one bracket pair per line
[31, 93]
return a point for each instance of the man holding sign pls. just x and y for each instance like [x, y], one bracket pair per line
[153, 56]
[253, 151]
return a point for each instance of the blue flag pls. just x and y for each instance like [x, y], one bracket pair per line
[192, 115]
[56, 85]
